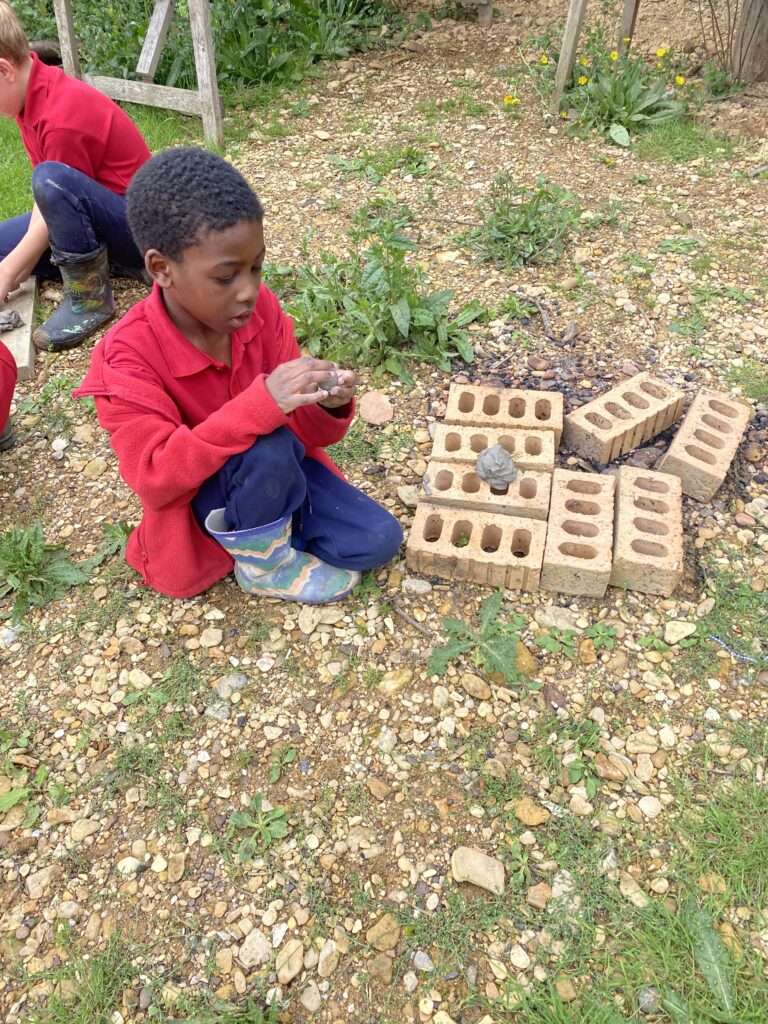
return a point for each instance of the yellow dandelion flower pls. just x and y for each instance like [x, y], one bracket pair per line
[660, 66]
[543, 59]
[584, 61]
[511, 101]
[679, 80]
[662, 51]
[583, 79]
[627, 39]
[614, 55]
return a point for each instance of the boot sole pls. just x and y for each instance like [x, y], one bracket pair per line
[280, 595]
[64, 346]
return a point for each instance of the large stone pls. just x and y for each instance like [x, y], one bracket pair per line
[328, 960]
[470, 865]
[380, 969]
[374, 407]
[290, 960]
[255, 951]
[678, 630]
[384, 934]
[651, 806]
[525, 662]
[395, 680]
[557, 618]
[311, 999]
[475, 686]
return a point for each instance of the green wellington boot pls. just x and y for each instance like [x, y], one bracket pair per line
[6, 437]
[266, 564]
[87, 302]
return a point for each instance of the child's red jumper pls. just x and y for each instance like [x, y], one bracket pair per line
[175, 415]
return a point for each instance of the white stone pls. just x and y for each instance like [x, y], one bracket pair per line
[470, 865]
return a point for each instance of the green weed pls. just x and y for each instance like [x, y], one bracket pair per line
[265, 827]
[372, 308]
[493, 646]
[359, 447]
[456, 930]
[279, 762]
[601, 635]
[34, 571]
[375, 165]
[557, 641]
[522, 224]
[751, 377]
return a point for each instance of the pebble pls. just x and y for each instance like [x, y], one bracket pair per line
[290, 961]
[472, 865]
[255, 951]
[176, 863]
[422, 961]
[95, 468]
[128, 865]
[408, 495]
[395, 680]
[678, 630]
[475, 686]
[519, 958]
[529, 812]
[380, 969]
[650, 806]
[557, 618]
[410, 981]
[83, 828]
[413, 585]
[311, 999]
[328, 960]
[384, 934]
[211, 637]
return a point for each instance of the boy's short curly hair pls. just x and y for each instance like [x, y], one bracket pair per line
[181, 194]
[13, 43]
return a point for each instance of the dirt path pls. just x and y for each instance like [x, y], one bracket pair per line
[139, 724]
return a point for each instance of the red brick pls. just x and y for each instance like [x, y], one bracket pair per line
[470, 405]
[457, 484]
[703, 448]
[500, 550]
[578, 554]
[648, 532]
[623, 418]
[531, 449]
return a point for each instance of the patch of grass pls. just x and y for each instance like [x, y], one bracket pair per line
[88, 989]
[359, 447]
[52, 405]
[751, 377]
[375, 165]
[433, 110]
[209, 1009]
[16, 193]
[679, 142]
[455, 931]
[521, 224]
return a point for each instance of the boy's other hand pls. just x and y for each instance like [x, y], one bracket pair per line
[296, 383]
[9, 282]
[343, 392]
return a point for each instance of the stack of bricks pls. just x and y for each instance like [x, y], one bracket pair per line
[570, 532]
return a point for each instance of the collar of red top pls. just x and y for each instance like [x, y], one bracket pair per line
[37, 89]
[185, 359]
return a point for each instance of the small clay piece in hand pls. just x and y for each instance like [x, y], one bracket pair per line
[330, 382]
[497, 467]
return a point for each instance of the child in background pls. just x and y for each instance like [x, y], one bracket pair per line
[217, 422]
[8, 375]
[84, 150]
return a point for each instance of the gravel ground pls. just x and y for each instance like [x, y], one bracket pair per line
[435, 825]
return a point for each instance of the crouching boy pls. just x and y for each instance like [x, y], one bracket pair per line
[217, 422]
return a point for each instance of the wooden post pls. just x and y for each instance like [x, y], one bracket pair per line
[65, 24]
[205, 65]
[155, 39]
[568, 51]
[628, 19]
[749, 54]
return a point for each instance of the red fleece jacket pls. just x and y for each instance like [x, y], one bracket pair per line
[175, 415]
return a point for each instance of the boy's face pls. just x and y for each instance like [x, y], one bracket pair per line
[11, 89]
[212, 289]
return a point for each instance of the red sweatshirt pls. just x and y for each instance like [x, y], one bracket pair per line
[175, 415]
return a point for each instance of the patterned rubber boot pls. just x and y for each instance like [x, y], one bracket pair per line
[266, 564]
[87, 302]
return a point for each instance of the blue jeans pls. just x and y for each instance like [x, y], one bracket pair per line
[331, 518]
[80, 214]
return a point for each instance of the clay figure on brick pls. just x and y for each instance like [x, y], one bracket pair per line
[84, 151]
[218, 422]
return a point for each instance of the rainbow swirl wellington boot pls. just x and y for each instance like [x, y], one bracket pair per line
[87, 302]
[266, 564]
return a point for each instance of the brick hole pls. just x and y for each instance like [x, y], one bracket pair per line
[598, 421]
[478, 443]
[491, 539]
[528, 488]
[470, 483]
[543, 409]
[698, 453]
[462, 531]
[635, 401]
[517, 408]
[582, 508]
[577, 550]
[500, 490]
[653, 389]
[533, 446]
[577, 529]
[443, 479]
[651, 526]
[433, 528]
[706, 438]
[659, 508]
[508, 444]
[724, 410]
[466, 401]
[521, 543]
[716, 424]
[452, 442]
[583, 487]
[648, 547]
[618, 411]
[491, 405]
[656, 486]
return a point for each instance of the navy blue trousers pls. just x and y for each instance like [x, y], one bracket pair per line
[80, 215]
[331, 518]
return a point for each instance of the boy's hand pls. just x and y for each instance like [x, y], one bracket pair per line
[8, 283]
[343, 392]
[295, 383]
